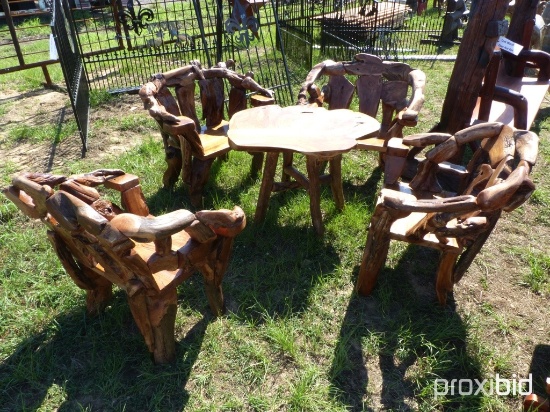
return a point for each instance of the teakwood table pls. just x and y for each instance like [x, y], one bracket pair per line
[319, 134]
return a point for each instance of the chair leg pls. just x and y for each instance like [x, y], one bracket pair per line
[173, 160]
[288, 159]
[257, 163]
[98, 298]
[376, 250]
[213, 272]
[444, 282]
[162, 312]
[199, 178]
[155, 317]
[471, 251]
[314, 189]
[335, 170]
[267, 185]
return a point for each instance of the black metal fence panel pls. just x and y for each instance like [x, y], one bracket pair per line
[63, 30]
[124, 43]
[298, 29]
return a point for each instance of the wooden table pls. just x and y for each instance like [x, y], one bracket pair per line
[316, 132]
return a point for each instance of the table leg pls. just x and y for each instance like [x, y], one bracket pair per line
[315, 193]
[288, 158]
[335, 170]
[267, 185]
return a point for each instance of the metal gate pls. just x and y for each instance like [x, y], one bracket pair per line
[123, 44]
[71, 64]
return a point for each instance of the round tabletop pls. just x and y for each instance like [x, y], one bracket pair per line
[304, 129]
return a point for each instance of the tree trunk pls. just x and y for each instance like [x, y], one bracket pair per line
[476, 49]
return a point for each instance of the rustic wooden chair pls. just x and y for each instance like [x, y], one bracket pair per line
[189, 147]
[448, 207]
[100, 244]
[396, 87]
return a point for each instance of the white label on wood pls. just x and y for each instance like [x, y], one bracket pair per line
[509, 46]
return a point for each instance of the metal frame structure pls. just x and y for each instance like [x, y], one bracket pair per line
[63, 30]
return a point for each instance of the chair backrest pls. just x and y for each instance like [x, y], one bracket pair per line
[399, 88]
[172, 94]
[504, 155]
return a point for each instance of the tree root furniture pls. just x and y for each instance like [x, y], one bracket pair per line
[99, 244]
[448, 207]
[319, 134]
[397, 87]
[191, 148]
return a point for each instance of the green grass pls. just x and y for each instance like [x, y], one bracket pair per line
[42, 133]
[296, 337]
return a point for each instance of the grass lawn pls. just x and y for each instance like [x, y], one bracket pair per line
[296, 336]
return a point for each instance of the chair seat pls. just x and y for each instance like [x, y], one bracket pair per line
[401, 226]
[214, 140]
[372, 143]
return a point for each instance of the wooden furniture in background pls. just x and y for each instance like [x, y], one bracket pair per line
[191, 148]
[509, 94]
[319, 134]
[100, 244]
[510, 99]
[448, 207]
[397, 87]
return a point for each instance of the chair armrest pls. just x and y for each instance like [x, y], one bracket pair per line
[97, 177]
[228, 223]
[147, 229]
[417, 80]
[461, 204]
[503, 195]
[540, 59]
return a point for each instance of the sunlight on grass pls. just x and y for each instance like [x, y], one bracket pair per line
[296, 337]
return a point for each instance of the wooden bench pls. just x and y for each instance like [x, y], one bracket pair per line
[513, 99]
[510, 95]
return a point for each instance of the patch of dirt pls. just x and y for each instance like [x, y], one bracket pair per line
[52, 107]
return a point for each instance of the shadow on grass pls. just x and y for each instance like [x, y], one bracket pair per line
[96, 363]
[177, 197]
[401, 340]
